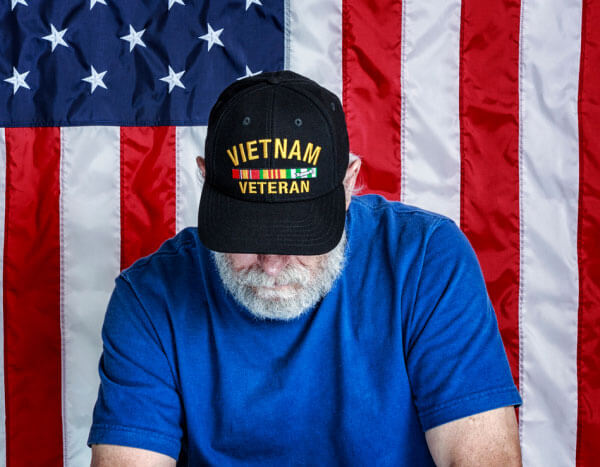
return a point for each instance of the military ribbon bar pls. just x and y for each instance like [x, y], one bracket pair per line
[274, 174]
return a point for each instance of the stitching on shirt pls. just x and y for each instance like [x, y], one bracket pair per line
[105, 427]
[477, 395]
[401, 208]
[174, 380]
[179, 245]
[434, 227]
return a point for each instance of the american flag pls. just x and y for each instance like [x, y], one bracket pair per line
[486, 111]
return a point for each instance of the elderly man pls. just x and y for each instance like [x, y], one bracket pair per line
[298, 324]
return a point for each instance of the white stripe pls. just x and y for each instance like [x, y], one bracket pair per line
[2, 219]
[430, 139]
[90, 254]
[549, 178]
[313, 38]
[189, 145]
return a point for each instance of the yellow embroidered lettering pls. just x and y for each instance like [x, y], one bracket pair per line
[304, 186]
[295, 151]
[271, 188]
[251, 149]
[262, 187]
[243, 187]
[252, 188]
[265, 145]
[311, 156]
[283, 186]
[233, 156]
[281, 149]
[242, 153]
[294, 187]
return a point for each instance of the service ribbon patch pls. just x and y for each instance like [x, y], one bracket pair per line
[274, 174]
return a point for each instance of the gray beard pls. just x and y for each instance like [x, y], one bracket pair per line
[247, 287]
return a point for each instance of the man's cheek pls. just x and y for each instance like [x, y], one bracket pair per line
[313, 263]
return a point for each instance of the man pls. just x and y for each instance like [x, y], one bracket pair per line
[299, 325]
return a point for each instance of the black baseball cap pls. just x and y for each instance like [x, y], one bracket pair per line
[276, 155]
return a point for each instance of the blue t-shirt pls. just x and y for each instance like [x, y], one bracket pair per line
[406, 340]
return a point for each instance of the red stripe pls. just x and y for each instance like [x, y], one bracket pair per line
[148, 192]
[371, 74]
[588, 245]
[489, 124]
[32, 338]
[235, 174]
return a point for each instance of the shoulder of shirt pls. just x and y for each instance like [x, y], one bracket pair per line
[378, 205]
[182, 243]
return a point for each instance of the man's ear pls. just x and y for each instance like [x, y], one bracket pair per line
[350, 180]
[201, 165]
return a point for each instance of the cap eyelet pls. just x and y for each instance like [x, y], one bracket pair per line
[298, 122]
[332, 105]
[246, 121]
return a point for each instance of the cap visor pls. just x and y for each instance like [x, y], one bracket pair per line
[311, 227]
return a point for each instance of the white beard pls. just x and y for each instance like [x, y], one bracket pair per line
[253, 288]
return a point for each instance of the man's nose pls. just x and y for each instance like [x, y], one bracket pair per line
[273, 264]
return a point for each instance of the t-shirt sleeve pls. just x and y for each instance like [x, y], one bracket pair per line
[455, 357]
[138, 403]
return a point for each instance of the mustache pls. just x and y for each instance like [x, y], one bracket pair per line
[289, 275]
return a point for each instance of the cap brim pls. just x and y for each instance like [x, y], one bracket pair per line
[311, 227]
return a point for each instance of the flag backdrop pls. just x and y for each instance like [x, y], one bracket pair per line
[485, 111]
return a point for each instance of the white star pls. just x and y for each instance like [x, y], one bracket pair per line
[212, 37]
[173, 2]
[17, 80]
[134, 38]
[250, 2]
[56, 37]
[14, 3]
[93, 3]
[95, 79]
[249, 73]
[173, 79]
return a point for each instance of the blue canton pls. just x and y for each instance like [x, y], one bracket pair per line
[102, 62]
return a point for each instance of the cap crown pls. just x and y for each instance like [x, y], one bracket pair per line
[276, 137]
